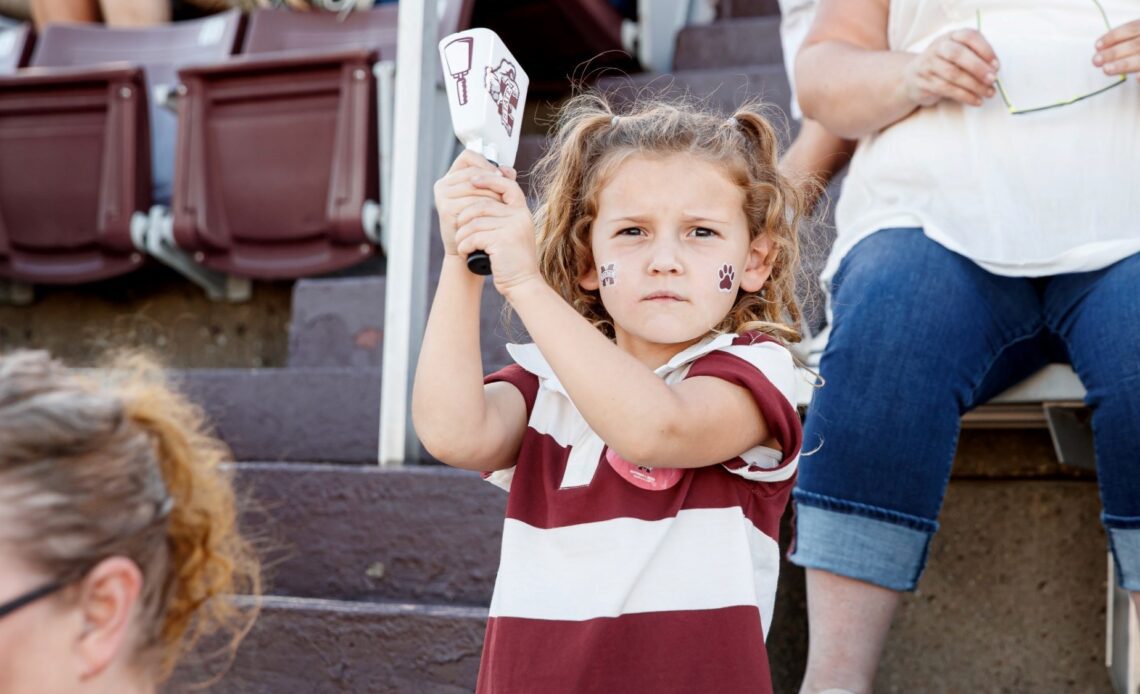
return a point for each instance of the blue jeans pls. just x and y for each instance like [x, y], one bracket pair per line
[921, 335]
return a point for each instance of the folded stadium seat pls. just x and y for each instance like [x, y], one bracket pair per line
[75, 147]
[278, 170]
[15, 45]
[73, 171]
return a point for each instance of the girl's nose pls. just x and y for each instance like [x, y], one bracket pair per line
[664, 258]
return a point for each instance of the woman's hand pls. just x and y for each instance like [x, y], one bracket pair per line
[501, 227]
[454, 193]
[960, 66]
[1118, 51]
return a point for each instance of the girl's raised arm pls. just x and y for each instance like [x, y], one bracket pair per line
[458, 420]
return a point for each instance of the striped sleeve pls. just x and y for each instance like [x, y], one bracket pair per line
[765, 370]
[527, 384]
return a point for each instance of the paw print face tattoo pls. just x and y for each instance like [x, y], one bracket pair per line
[727, 277]
[608, 274]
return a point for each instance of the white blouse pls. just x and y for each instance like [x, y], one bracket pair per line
[1021, 195]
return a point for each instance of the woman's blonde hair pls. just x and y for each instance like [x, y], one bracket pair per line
[592, 138]
[117, 463]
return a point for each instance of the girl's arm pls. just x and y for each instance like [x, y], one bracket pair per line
[697, 422]
[850, 81]
[458, 420]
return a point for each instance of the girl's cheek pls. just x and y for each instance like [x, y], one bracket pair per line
[726, 277]
[607, 274]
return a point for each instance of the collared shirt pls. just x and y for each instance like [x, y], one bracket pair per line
[640, 580]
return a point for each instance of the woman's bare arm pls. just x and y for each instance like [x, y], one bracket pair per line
[850, 81]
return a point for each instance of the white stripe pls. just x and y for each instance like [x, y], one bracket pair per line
[555, 416]
[583, 461]
[502, 478]
[763, 456]
[702, 559]
[778, 475]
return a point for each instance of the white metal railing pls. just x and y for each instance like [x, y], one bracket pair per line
[408, 212]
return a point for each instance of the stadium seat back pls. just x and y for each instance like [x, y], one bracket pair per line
[280, 30]
[159, 51]
[276, 159]
[72, 173]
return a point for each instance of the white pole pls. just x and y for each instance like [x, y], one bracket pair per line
[409, 214]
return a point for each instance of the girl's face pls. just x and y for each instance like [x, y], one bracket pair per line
[671, 251]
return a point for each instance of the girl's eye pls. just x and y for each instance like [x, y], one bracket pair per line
[703, 233]
[630, 231]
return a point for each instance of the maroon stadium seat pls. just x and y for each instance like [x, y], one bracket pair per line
[160, 51]
[76, 150]
[277, 149]
[72, 173]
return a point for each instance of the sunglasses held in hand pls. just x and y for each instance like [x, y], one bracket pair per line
[1014, 110]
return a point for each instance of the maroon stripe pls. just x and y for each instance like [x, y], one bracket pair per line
[782, 419]
[651, 653]
[517, 376]
[537, 500]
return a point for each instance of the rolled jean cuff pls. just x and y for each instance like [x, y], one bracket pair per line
[861, 542]
[1124, 539]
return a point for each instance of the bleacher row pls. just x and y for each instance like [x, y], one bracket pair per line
[269, 170]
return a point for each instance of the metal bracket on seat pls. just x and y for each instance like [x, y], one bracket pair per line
[15, 293]
[1071, 431]
[154, 234]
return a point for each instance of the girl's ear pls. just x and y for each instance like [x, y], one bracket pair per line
[589, 278]
[758, 266]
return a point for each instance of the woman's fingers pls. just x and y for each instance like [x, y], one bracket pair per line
[1120, 34]
[977, 44]
[950, 90]
[966, 81]
[1120, 58]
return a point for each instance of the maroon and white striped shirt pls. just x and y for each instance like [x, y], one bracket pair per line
[610, 583]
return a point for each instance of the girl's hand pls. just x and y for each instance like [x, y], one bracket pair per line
[1118, 51]
[454, 193]
[960, 66]
[502, 228]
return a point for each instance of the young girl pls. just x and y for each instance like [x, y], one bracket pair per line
[648, 437]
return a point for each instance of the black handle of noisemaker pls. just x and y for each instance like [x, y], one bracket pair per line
[478, 261]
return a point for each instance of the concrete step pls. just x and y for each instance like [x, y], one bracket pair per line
[305, 414]
[340, 323]
[729, 42]
[416, 533]
[749, 8]
[723, 89]
[308, 646]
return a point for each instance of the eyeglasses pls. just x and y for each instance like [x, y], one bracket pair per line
[1021, 111]
[30, 597]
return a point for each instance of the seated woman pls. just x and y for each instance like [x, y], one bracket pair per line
[987, 226]
[118, 539]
